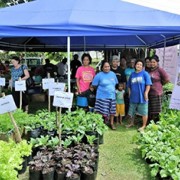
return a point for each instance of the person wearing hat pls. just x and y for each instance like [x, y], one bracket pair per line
[159, 77]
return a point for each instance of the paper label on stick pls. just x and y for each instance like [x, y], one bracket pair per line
[2, 82]
[20, 85]
[63, 99]
[56, 87]
[7, 104]
[47, 82]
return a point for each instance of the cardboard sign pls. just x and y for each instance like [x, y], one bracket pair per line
[47, 82]
[20, 85]
[56, 87]
[7, 104]
[2, 82]
[63, 99]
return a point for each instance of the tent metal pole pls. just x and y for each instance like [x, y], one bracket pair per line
[68, 56]
[84, 44]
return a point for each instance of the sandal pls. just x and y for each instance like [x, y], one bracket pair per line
[113, 127]
[129, 125]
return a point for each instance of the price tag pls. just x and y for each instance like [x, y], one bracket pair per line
[56, 87]
[46, 82]
[7, 104]
[2, 82]
[63, 99]
[20, 85]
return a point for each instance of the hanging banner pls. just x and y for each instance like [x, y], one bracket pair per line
[56, 87]
[170, 62]
[2, 82]
[46, 82]
[175, 97]
[7, 104]
[20, 85]
[63, 99]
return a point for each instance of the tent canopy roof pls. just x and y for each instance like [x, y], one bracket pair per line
[99, 24]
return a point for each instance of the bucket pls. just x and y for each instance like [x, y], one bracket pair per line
[82, 101]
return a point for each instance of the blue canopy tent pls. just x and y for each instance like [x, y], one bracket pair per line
[46, 24]
[51, 24]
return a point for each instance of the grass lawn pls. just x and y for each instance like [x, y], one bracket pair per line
[119, 157]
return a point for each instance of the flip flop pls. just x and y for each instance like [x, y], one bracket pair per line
[113, 127]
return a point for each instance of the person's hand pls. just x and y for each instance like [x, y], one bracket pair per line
[146, 96]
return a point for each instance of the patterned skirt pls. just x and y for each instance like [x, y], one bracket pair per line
[105, 107]
[155, 104]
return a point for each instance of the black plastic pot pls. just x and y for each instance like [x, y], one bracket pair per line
[35, 175]
[59, 175]
[86, 176]
[101, 139]
[24, 166]
[29, 158]
[35, 133]
[92, 133]
[48, 176]
[71, 178]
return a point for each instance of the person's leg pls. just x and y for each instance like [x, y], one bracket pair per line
[143, 110]
[120, 119]
[112, 122]
[131, 113]
[112, 112]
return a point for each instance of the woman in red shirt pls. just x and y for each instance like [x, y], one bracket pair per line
[159, 77]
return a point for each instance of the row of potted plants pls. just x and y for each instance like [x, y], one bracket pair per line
[160, 144]
[78, 162]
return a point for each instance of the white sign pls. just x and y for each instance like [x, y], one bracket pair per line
[20, 85]
[46, 82]
[175, 97]
[170, 62]
[7, 104]
[63, 99]
[2, 82]
[56, 87]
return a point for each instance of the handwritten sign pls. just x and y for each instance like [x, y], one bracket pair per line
[56, 87]
[7, 104]
[47, 82]
[20, 85]
[2, 82]
[63, 99]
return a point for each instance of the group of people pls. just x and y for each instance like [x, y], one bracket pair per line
[122, 90]
[116, 90]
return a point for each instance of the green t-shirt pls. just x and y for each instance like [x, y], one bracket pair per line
[120, 97]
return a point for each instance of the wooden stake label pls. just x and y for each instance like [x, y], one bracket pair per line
[20, 85]
[7, 104]
[63, 99]
[2, 82]
[56, 87]
[47, 82]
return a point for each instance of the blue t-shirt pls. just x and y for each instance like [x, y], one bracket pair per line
[17, 73]
[128, 72]
[105, 83]
[137, 83]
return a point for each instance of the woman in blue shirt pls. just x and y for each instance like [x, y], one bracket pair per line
[138, 86]
[105, 81]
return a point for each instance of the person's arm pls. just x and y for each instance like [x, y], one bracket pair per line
[78, 85]
[146, 92]
[26, 74]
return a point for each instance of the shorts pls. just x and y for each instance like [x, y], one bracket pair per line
[141, 109]
[120, 109]
[105, 107]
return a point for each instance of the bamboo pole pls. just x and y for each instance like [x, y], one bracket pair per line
[59, 126]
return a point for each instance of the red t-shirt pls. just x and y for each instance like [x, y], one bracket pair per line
[157, 76]
[85, 76]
